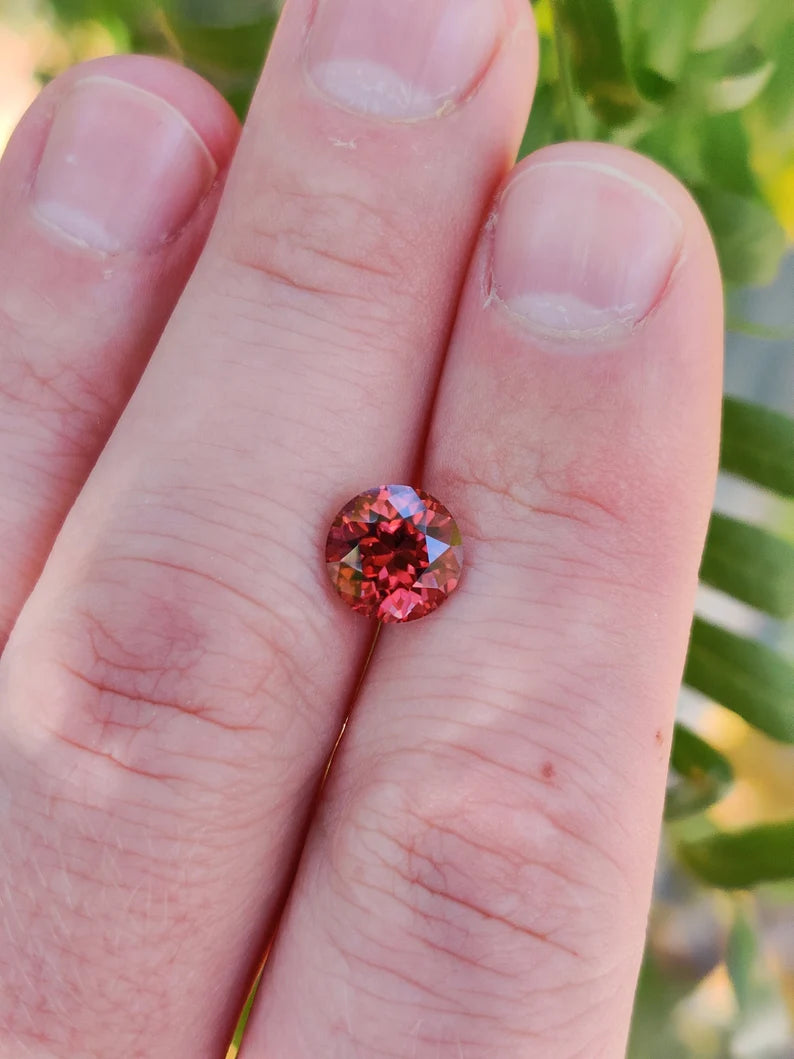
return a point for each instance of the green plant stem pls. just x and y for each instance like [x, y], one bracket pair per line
[565, 76]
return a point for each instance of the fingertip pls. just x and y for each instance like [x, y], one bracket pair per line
[203, 110]
[199, 102]
[591, 240]
[119, 155]
[636, 170]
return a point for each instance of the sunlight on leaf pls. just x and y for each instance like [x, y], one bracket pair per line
[724, 21]
[733, 92]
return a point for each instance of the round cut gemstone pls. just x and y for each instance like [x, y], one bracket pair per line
[394, 553]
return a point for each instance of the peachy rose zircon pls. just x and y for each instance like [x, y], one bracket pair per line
[394, 553]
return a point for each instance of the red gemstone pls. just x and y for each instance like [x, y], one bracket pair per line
[394, 553]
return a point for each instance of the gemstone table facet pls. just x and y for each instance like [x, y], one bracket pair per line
[394, 553]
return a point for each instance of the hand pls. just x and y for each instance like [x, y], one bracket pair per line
[379, 299]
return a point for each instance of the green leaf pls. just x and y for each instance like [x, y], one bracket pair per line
[652, 85]
[662, 35]
[750, 241]
[133, 24]
[101, 10]
[724, 21]
[744, 676]
[741, 859]
[224, 40]
[758, 444]
[741, 954]
[704, 775]
[543, 127]
[677, 143]
[591, 34]
[762, 1026]
[725, 154]
[653, 1033]
[710, 151]
[734, 90]
[778, 98]
[222, 14]
[750, 564]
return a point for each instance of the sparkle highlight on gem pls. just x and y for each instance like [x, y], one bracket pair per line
[394, 553]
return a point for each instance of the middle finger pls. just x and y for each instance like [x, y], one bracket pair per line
[187, 670]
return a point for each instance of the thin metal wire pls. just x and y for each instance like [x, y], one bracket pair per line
[353, 700]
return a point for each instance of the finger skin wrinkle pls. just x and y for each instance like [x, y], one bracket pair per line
[66, 417]
[321, 345]
[196, 507]
[273, 324]
[462, 869]
[532, 490]
[602, 481]
[272, 272]
[415, 877]
[431, 1009]
[62, 983]
[570, 543]
[503, 686]
[134, 677]
[547, 776]
[28, 311]
[106, 755]
[503, 734]
[293, 231]
[109, 917]
[487, 817]
[55, 384]
[189, 572]
[285, 378]
[167, 652]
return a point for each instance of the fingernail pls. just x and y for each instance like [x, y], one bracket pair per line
[403, 59]
[582, 248]
[122, 169]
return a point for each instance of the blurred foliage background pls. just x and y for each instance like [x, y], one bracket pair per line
[706, 87]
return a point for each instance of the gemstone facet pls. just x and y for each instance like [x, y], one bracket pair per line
[394, 553]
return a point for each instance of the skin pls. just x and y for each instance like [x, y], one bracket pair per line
[474, 878]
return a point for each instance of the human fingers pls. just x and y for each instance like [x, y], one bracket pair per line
[180, 675]
[477, 878]
[107, 192]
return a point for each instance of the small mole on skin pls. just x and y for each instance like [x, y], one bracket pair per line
[659, 737]
[548, 771]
